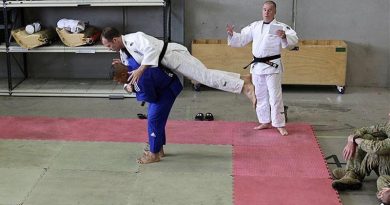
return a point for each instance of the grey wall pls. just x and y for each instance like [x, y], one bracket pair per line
[208, 18]
[363, 25]
[388, 45]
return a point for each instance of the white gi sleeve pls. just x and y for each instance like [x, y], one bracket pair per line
[150, 50]
[291, 38]
[241, 39]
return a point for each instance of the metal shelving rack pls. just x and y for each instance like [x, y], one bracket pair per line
[68, 87]
[4, 88]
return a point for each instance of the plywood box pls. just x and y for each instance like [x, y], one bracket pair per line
[315, 62]
[216, 54]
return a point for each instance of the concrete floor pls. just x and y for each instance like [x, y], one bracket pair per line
[332, 115]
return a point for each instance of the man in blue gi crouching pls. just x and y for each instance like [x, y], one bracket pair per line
[159, 87]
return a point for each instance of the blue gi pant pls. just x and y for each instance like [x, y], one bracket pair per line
[158, 113]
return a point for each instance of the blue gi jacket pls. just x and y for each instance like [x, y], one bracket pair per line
[153, 81]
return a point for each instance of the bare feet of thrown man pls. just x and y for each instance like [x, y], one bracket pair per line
[262, 126]
[148, 157]
[282, 131]
[249, 89]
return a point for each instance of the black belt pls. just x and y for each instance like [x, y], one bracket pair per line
[162, 54]
[160, 57]
[266, 60]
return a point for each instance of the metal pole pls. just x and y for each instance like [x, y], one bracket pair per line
[165, 8]
[170, 21]
[124, 20]
[294, 13]
[7, 44]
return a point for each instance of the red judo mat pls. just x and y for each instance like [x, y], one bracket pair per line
[267, 168]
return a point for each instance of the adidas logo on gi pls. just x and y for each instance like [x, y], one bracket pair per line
[136, 88]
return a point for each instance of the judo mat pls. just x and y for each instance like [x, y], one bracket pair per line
[267, 168]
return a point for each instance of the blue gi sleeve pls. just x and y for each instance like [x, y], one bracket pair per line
[147, 91]
[145, 88]
[132, 64]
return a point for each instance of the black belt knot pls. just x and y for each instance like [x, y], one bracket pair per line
[266, 60]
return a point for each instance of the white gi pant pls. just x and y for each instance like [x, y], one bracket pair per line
[269, 107]
[181, 61]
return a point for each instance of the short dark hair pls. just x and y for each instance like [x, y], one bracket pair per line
[110, 32]
[270, 2]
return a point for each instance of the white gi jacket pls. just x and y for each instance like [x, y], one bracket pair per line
[264, 44]
[146, 49]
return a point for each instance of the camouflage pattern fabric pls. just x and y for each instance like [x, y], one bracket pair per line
[373, 154]
[383, 182]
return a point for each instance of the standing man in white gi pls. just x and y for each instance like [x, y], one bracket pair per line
[268, 37]
[152, 52]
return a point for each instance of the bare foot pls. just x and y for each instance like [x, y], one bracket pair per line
[148, 158]
[282, 131]
[262, 126]
[249, 89]
[161, 153]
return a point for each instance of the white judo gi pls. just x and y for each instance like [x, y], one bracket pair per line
[74, 26]
[146, 49]
[266, 79]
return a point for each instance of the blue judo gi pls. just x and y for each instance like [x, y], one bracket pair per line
[159, 88]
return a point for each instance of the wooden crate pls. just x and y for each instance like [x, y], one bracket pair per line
[316, 62]
[216, 54]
